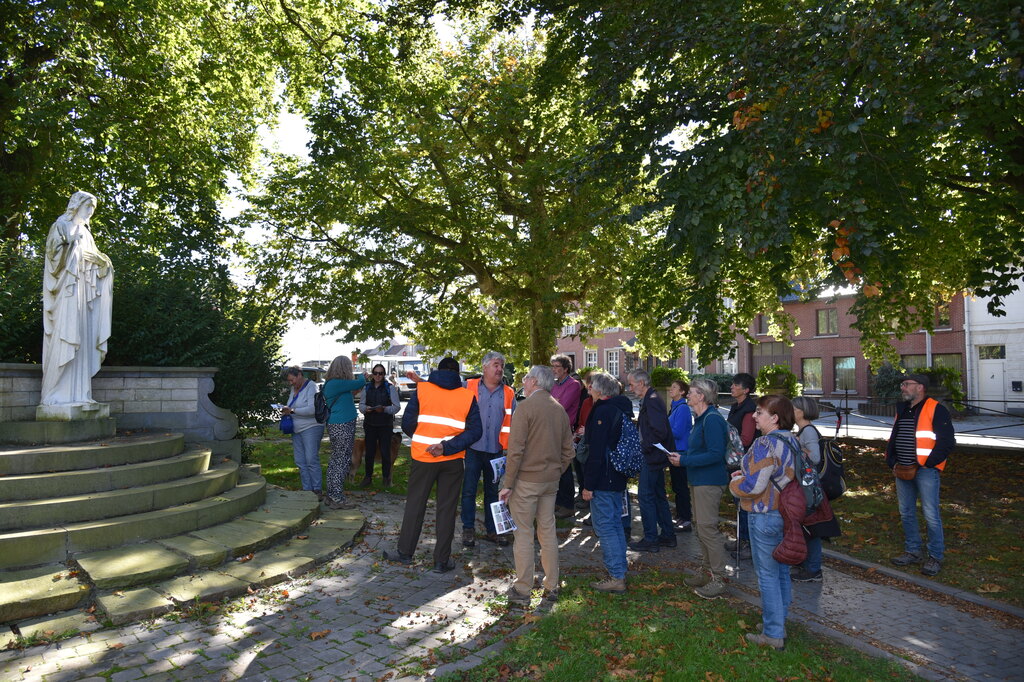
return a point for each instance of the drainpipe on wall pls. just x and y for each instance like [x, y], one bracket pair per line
[968, 349]
[927, 348]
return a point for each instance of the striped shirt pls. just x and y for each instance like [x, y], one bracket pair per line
[905, 435]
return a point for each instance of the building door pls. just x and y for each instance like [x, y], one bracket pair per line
[992, 385]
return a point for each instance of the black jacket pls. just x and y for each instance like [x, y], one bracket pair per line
[602, 434]
[654, 428]
[942, 424]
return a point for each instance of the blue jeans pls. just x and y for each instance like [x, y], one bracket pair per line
[654, 511]
[306, 446]
[812, 564]
[478, 463]
[606, 513]
[926, 486]
[772, 577]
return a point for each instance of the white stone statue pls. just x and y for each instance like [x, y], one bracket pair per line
[77, 298]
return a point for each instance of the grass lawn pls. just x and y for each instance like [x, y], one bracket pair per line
[272, 450]
[982, 518]
[660, 631]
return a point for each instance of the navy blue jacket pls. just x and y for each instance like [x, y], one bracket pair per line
[602, 434]
[449, 379]
[654, 428]
[704, 458]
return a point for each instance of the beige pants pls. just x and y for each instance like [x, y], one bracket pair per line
[705, 500]
[531, 502]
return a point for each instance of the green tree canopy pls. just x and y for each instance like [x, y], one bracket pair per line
[440, 199]
[800, 145]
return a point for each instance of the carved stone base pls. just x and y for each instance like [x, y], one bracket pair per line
[72, 412]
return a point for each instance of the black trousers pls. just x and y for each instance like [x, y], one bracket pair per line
[378, 438]
[422, 476]
[682, 491]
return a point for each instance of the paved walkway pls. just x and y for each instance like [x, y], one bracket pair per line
[361, 618]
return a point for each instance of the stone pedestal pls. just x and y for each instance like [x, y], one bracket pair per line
[72, 412]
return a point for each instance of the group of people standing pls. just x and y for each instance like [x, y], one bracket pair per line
[457, 428]
[379, 403]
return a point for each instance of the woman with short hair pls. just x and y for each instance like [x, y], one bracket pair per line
[306, 431]
[603, 486]
[707, 477]
[764, 471]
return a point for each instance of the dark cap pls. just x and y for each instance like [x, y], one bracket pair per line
[449, 363]
[919, 378]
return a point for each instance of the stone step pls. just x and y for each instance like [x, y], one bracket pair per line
[172, 574]
[37, 432]
[111, 452]
[69, 483]
[42, 513]
[38, 591]
[20, 549]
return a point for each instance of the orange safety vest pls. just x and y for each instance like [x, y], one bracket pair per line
[925, 433]
[442, 415]
[506, 423]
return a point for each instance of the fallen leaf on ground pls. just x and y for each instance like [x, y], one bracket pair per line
[319, 634]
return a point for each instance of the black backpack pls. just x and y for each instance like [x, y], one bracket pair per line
[830, 470]
[321, 410]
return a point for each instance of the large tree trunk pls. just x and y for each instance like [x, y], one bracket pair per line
[542, 334]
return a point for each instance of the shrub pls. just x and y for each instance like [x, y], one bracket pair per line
[778, 375]
[724, 381]
[663, 376]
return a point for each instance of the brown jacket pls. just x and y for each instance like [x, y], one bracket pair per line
[540, 444]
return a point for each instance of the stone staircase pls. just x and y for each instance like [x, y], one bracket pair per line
[132, 526]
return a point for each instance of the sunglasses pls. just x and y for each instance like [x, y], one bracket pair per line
[378, 374]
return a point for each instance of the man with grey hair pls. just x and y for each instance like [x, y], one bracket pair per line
[497, 402]
[654, 431]
[539, 450]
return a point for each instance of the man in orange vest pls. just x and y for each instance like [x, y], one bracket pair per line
[497, 402]
[442, 419]
[922, 438]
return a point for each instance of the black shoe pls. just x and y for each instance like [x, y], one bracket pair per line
[502, 541]
[931, 566]
[366, 482]
[906, 559]
[684, 527]
[588, 522]
[444, 567]
[668, 543]
[398, 557]
[644, 546]
[802, 575]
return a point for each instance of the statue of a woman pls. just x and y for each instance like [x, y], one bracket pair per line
[77, 297]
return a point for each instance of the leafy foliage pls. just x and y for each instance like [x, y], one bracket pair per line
[439, 199]
[214, 325]
[801, 145]
[663, 376]
[772, 377]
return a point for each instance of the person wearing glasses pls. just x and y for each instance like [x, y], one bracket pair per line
[921, 440]
[379, 403]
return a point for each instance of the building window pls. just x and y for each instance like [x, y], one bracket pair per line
[942, 316]
[951, 360]
[762, 325]
[611, 362]
[568, 330]
[811, 372]
[828, 322]
[770, 353]
[991, 352]
[846, 374]
[572, 361]
[591, 356]
[914, 361]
